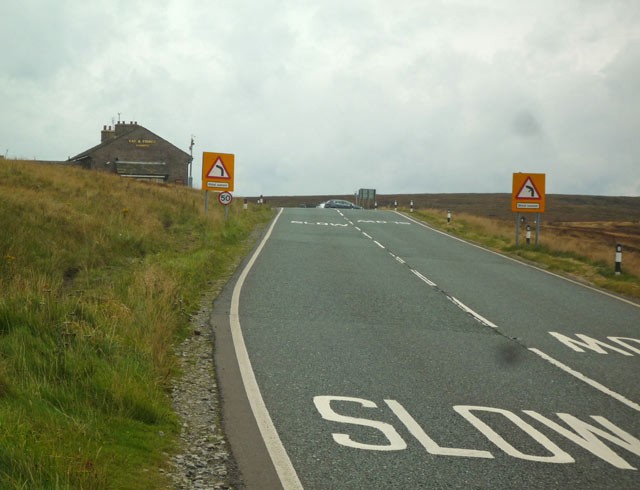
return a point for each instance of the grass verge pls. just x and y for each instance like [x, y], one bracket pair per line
[587, 260]
[98, 278]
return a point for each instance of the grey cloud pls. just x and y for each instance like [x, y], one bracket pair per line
[623, 73]
[525, 124]
[325, 97]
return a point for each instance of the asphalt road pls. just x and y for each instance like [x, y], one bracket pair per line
[379, 353]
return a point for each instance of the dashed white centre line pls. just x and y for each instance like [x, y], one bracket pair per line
[474, 314]
[488, 323]
[425, 279]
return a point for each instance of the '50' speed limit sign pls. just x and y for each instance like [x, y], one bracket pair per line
[225, 198]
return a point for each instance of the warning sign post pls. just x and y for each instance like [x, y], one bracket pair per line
[528, 196]
[528, 193]
[218, 171]
[217, 174]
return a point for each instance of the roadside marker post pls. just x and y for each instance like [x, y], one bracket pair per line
[618, 259]
[411, 205]
[528, 235]
[448, 216]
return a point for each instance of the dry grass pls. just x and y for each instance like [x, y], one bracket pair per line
[594, 249]
[570, 249]
[98, 277]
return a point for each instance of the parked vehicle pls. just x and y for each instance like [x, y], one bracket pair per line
[340, 204]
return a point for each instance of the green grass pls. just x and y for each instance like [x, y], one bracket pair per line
[98, 278]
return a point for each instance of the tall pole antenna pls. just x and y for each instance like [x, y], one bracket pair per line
[191, 161]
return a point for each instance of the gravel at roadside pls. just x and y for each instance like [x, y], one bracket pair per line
[204, 460]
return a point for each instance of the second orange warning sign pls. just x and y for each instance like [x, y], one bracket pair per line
[528, 193]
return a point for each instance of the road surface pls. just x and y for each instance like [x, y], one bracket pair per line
[362, 349]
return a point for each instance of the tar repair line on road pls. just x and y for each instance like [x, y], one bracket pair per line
[594, 384]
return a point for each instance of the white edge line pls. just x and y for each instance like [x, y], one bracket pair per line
[281, 462]
[600, 387]
[544, 356]
[587, 380]
[637, 305]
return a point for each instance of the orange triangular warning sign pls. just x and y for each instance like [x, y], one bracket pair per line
[529, 191]
[218, 170]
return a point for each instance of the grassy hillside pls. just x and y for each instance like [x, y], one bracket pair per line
[98, 277]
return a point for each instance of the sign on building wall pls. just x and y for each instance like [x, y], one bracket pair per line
[218, 171]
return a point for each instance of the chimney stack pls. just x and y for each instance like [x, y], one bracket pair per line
[123, 127]
[106, 134]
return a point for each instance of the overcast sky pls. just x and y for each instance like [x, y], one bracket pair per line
[329, 96]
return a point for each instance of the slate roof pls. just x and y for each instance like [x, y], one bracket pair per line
[87, 153]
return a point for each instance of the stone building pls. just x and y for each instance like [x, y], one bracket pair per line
[131, 150]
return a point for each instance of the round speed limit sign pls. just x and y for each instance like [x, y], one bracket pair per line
[225, 198]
